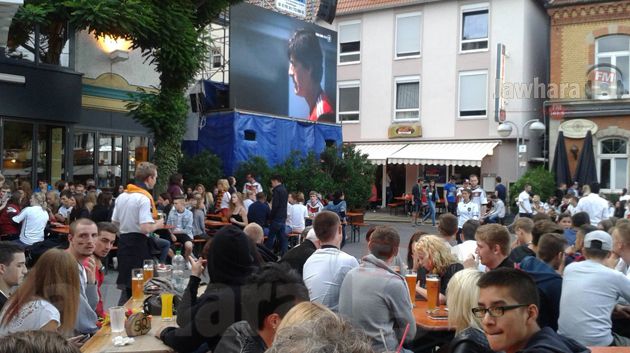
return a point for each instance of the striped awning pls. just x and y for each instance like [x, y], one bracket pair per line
[378, 153]
[447, 153]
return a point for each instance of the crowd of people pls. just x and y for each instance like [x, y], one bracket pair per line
[549, 282]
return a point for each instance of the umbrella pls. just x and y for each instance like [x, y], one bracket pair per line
[586, 172]
[560, 165]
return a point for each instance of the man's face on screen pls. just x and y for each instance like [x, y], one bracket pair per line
[301, 77]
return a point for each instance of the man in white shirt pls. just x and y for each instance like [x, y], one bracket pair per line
[297, 214]
[135, 215]
[524, 202]
[252, 185]
[589, 295]
[66, 206]
[478, 194]
[594, 205]
[325, 270]
[467, 248]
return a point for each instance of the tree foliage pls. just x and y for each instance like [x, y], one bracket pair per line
[336, 168]
[543, 183]
[203, 168]
[166, 32]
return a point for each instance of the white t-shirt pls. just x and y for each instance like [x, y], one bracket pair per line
[478, 196]
[323, 275]
[32, 316]
[247, 203]
[524, 204]
[595, 206]
[64, 211]
[466, 211]
[225, 200]
[255, 186]
[589, 294]
[297, 215]
[130, 210]
[34, 220]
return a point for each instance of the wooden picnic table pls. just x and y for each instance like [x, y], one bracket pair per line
[424, 321]
[609, 349]
[216, 224]
[61, 229]
[101, 342]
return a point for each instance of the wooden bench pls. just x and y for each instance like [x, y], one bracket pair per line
[355, 230]
[393, 206]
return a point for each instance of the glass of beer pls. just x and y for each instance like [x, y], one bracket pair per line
[433, 291]
[148, 268]
[167, 306]
[137, 283]
[411, 278]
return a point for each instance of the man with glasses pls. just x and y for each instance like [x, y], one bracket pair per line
[508, 309]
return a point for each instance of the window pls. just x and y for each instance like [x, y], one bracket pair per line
[216, 58]
[83, 156]
[348, 101]
[137, 151]
[109, 160]
[350, 42]
[615, 50]
[473, 94]
[407, 99]
[613, 164]
[408, 35]
[474, 26]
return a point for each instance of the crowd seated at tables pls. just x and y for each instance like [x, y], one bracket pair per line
[555, 280]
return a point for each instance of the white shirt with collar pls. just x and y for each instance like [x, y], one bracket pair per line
[595, 206]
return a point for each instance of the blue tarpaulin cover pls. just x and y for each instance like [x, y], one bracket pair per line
[224, 135]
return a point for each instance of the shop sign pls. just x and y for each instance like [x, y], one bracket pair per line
[404, 130]
[577, 128]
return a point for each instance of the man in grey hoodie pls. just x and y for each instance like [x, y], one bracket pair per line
[375, 298]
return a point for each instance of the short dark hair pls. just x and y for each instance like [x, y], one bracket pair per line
[261, 196]
[498, 179]
[66, 193]
[104, 198]
[304, 47]
[592, 253]
[520, 285]
[549, 245]
[384, 242]
[276, 177]
[447, 224]
[274, 288]
[580, 218]
[470, 228]
[7, 251]
[167, 196]
[107, 227]
[544, 227]
[326, 224]
[83, 221]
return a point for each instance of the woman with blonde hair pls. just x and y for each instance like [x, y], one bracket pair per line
[208, 199]
[305, 311]
[48, 299]
[462, 295]
[199, 216]
[434, 256]
[33, 219]
[222, 202]
[238, 213]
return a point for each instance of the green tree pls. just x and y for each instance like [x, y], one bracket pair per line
[203, 168]
[166, 32]
[543, 183]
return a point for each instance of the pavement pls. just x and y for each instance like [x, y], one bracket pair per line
[400, 222]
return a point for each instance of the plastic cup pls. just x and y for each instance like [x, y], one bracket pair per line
[117, 318]
[165, 271]
[167, 306]
[137, 284]
[433, 291]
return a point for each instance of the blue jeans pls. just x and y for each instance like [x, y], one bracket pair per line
[164, 245]
[277, 229]
[430, 212]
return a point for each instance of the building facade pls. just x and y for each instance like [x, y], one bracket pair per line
[68, 120]
[590, 58]
[417, 81]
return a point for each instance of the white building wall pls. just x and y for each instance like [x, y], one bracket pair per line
[92, 60]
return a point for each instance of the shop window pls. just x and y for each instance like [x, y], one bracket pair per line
[83, 156]
[109, 160]
[17, 159]
[138, 151]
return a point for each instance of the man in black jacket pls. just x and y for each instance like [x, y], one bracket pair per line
[296, 257]
[278, 216]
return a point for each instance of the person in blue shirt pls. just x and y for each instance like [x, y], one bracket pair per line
[450, 195]
[182, 220]
[259, 212]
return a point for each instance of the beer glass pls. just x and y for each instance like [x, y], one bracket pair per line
[148, 270]
[411, 278]
[137, 283]
[433, 291]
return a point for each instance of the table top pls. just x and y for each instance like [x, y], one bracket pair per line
[423, 320]
[609, 349]
[63, 229]
[101, 342]
[216, 224]
[354, 214]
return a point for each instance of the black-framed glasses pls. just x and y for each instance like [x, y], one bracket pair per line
[495, 311]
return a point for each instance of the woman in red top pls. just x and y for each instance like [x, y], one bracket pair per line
[10, 230]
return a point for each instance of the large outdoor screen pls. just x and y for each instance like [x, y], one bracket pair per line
[281, 66]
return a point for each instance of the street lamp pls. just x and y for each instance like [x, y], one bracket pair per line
[505, 129]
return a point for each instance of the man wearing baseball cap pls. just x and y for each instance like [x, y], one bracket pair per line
[589, 295]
